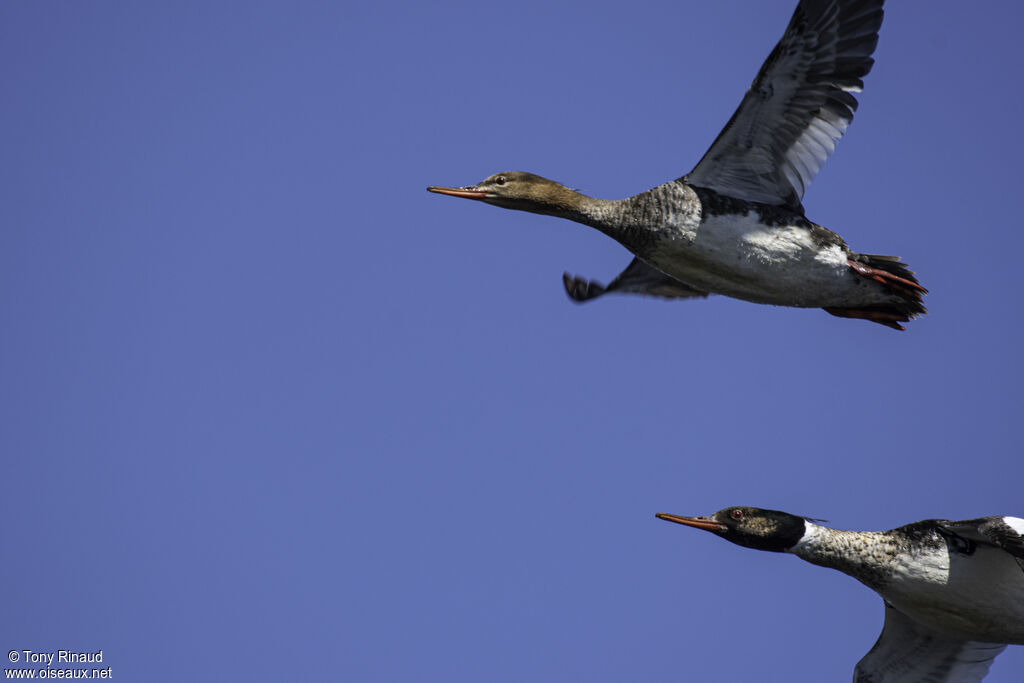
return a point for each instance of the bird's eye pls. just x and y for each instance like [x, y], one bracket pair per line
[500, 180]
[737, 514]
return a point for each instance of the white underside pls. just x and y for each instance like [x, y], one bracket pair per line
[977, 597]
[738, 256]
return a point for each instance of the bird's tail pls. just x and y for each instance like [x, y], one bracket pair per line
[894, 275]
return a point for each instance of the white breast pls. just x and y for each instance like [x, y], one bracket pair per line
[739, 256]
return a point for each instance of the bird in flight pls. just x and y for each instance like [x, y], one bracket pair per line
[953, 591]
[735, 224]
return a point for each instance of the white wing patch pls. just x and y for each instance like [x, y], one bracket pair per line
[1015, 523]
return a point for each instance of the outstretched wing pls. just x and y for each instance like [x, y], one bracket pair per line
[908, 652]
[798, 107]
[637, 278]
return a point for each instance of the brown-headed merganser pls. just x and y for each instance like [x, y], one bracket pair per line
[735, 224]
[953, 591]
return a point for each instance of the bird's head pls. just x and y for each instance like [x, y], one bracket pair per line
[749, 527]
[519, 190]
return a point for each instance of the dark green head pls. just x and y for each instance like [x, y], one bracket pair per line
[749, 527]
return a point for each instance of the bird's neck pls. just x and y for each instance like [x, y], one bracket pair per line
[557, 200]
[864, 555]
[633, 220]
[565, 203]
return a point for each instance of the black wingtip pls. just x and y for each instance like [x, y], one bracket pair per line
[580, 290]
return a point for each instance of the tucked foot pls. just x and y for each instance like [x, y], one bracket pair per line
[906, 286]
[894, 276]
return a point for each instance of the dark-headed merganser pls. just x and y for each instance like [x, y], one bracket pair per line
[735, 224]
[953, 591]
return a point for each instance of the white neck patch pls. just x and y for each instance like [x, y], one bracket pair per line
[812, 533]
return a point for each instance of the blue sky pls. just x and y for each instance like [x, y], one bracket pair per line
[274, 412]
